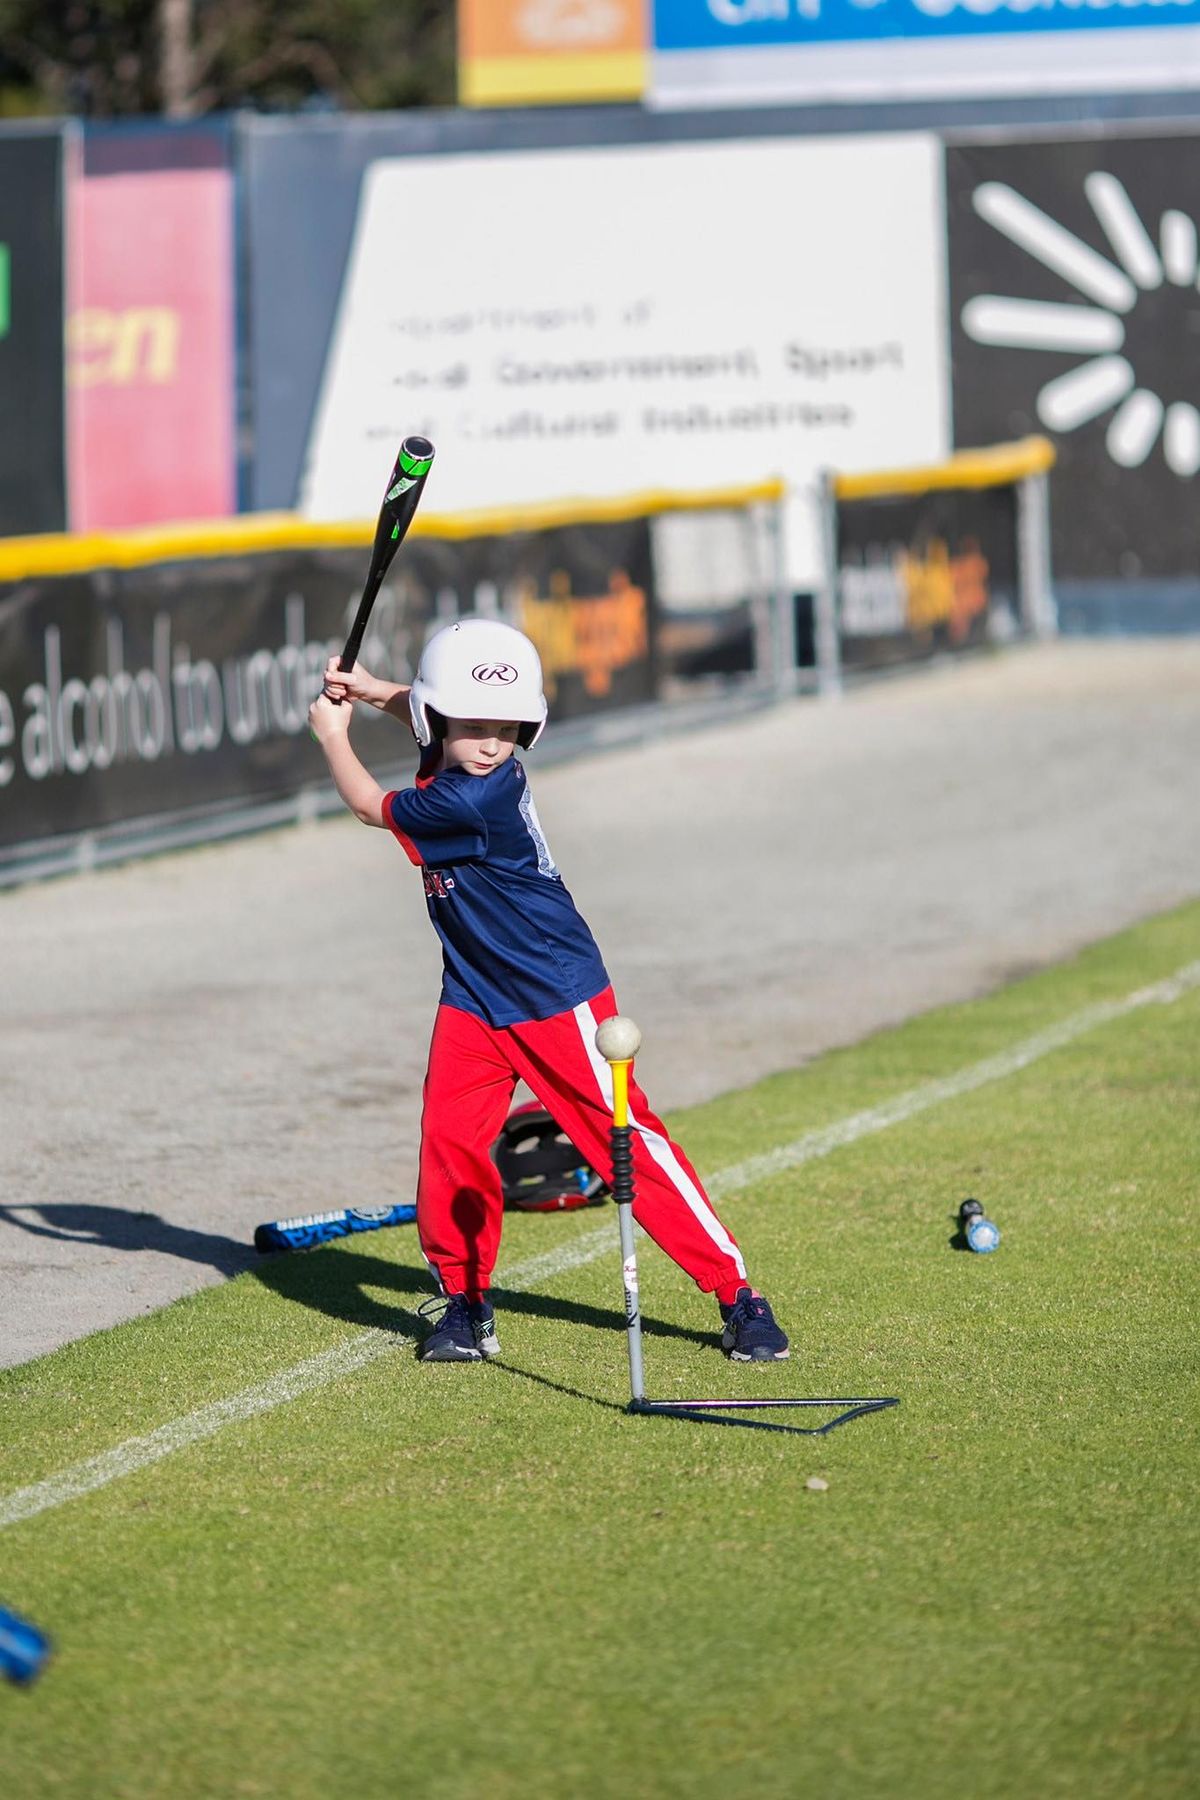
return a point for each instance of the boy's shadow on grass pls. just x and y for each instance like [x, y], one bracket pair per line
[332, 1281]
[335, 1282]
[122, 1229]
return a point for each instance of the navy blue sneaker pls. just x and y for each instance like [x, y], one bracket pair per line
[465, 1331]
[751, 1334]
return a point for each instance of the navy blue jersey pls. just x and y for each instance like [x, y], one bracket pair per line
[514, 948]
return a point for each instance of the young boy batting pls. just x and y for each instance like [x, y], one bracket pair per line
[523, 988]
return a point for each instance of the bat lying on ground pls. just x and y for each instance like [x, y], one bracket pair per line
[540, 1171]
[311, 1229]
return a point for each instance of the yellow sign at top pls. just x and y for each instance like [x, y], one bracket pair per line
[546, 52]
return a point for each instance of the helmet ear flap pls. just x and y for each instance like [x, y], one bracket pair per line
[437, 724]
[527, 734]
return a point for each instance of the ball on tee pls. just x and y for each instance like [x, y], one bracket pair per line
[618, 1039]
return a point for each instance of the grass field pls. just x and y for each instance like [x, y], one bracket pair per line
[494, 1579]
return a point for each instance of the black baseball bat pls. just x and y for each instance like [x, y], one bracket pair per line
[406, 484]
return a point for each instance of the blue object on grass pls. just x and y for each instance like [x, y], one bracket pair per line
[311, 1229]
[23, 1648]
[980, 1233]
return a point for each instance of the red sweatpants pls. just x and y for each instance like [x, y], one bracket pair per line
[473, 1070]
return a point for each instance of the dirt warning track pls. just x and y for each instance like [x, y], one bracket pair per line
[201, 1041]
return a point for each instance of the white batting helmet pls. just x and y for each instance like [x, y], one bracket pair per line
[478, 669]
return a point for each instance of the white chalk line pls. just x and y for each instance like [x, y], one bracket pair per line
[828, 1138]
[344, 1359]
[302, 1378]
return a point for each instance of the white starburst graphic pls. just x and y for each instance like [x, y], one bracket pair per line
[1097, 331]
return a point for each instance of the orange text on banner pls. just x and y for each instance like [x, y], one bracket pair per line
[587, 635]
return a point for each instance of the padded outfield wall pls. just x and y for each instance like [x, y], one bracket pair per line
[155, 685]
[818, 312]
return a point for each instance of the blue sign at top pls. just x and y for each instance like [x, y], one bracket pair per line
[736, 24]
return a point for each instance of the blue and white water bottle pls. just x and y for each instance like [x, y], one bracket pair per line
[980, 1233]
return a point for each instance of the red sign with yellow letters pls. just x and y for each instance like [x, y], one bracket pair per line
[150, 347]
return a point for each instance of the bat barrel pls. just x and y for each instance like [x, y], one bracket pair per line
[406, 484]
[308, 1230]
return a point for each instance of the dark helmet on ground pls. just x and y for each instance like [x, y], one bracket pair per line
[540, 1168]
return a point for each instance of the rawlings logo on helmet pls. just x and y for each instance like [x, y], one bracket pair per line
[494, 674]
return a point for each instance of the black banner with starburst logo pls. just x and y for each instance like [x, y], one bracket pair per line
[1075, 312]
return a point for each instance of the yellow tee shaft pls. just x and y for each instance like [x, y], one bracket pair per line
[620, 1074]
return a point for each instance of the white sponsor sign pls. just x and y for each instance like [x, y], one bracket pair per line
[596, 322]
